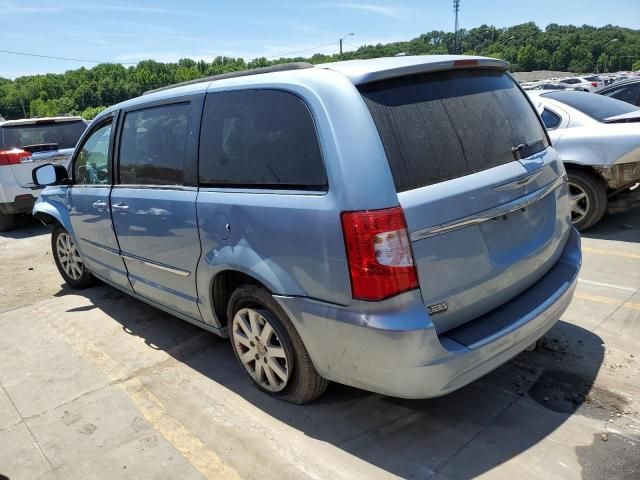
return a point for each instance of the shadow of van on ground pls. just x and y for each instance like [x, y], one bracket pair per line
[525, 399]
[622, 227]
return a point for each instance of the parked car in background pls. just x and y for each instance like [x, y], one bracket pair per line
[25, 144]
[345, 222]
[599, 142]
[551, 86]
[626, 90]
[581, 83]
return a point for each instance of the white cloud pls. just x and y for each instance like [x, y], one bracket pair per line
[391, 12]
[11, 8]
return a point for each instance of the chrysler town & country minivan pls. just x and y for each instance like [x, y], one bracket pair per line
[401, 225]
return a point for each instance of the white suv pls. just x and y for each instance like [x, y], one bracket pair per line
[587, 84]
[25, 144]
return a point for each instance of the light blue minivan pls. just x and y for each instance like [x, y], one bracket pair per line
[401, 225]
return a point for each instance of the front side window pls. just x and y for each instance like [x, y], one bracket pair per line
[152, 146]
[259, 139]
[91, 166]
[550, 119]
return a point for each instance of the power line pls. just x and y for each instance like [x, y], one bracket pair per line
[10, 52]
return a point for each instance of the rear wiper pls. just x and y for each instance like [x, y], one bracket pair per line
[525, 150]
[40, 147]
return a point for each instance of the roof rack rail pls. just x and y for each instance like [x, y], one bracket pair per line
[282, 67]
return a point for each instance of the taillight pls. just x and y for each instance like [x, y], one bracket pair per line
[595, 84]
[379, 253]
[465, 63]
[12, 157]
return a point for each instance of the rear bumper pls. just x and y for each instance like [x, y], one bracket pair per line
[22, 204]
[393, 348]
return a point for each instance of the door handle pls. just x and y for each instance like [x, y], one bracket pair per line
[120, 207]
[100, 205]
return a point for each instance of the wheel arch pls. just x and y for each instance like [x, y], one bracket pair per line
[223, 284]
[49, 214]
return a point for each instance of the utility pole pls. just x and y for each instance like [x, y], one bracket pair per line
[348, 35]
[456, 9]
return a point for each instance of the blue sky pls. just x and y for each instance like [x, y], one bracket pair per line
[132, 30]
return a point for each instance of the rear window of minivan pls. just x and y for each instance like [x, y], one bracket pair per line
[444, 125]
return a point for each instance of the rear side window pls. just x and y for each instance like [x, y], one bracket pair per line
[64, 134]
[152, 145]
[550, 119]
[259, 139]
[444, 125]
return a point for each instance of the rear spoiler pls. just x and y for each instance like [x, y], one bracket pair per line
[365, 71]
[624, 118]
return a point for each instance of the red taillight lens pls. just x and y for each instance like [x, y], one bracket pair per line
[465, 63]
[12, 157]
[595, 84]
[379, 253]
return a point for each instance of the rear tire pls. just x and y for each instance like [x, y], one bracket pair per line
[588, 196]
[7, 222]
[302, 383]
[68, 260]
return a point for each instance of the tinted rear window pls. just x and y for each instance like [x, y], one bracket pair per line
[597, 107]
[445, 125]
[65, 134]
[259, 139]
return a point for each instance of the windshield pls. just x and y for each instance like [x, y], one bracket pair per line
[65, 134]
[597, 107]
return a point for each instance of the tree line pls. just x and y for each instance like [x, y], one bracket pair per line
[86, 91]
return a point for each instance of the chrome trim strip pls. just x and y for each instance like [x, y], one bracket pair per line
[490, 214]
[159, 266]
[112, 251]
[518, 183]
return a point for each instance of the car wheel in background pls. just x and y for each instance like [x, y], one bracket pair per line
[588, 198]
[68, 260]
[269, 348]
[7, 222]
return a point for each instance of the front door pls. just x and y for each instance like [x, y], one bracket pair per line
[154, 202]
[88, 202]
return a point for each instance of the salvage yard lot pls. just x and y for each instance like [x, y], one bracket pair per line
[95, 384]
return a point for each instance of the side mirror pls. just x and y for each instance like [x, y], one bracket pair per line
[49, 174]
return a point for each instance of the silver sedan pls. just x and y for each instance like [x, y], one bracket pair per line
[598, 139]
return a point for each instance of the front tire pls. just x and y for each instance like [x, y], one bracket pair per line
[588, 197]
[7, 222]
[268, 347]
[68, 260]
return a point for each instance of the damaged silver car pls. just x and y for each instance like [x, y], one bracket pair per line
[598, 139]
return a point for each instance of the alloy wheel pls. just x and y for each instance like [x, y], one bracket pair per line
[260, 350]
[579, 202]
[68, 256]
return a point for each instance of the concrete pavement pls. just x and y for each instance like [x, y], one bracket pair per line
[95, 384]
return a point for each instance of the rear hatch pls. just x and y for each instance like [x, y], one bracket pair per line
[42, 141]
[483, 193]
